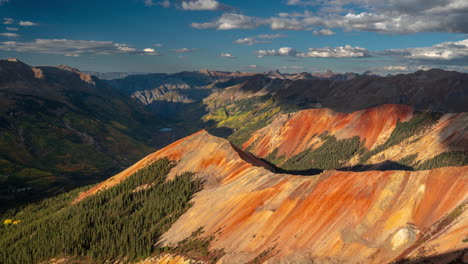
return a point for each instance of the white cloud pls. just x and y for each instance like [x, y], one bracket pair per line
[253, 66]
[299, 2]
[253, 40]
[158, 45]
[150, 51]
[285, 24]
[200, 5]
[272, 36]
[329, 52]
[399, 68]
[183, 50]
[191, 5]
[324, 32]
[411, 68]
[292, 67]
[164, 3]
[72, 47]
[27, 23]
[12, 28]
[8, 21]
[392, 17]
[245, 41]
[230, 21]
[228, 55]
[452, 50]
[250, 41]
[9, 35]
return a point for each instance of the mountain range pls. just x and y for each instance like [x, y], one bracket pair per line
[232, 167]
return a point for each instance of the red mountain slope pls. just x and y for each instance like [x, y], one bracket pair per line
[294, 133]
[334, 217]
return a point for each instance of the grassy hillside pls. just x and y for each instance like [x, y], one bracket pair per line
[243, 117]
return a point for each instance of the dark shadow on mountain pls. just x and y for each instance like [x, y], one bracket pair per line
[276, 169]
[453, 257]
[432, 90]
[223, 132]
[383, 166]
[181, 120]
[177, 111]
[308, 172]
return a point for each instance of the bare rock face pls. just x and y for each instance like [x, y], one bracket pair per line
[294, 133]
[333, 217]
[299, 131]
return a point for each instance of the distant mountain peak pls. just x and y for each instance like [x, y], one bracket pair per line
[83, 76]
[13, 60]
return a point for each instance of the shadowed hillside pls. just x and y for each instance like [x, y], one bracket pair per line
[60, 128]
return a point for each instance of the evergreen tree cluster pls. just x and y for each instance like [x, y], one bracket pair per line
[445, 159]
[125, 221]
[403, 131]
[332, 154]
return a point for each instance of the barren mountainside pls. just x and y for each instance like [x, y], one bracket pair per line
[395, 133]
[333, 217]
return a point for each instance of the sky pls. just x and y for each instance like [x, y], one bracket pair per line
[389, 36]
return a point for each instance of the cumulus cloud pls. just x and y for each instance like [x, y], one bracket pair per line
[392, 17]
[253, 66]
[158, 45]
[324, 32]
[164, 3]
[228, 55]
[150, 51]
[73, 47]
[9, 35]
[230, 21]
[451, 50]
[192, 5]
[183, 50]
[411, 68]
[272, 36]
[201, 5]
[292, 67]
[12, 28]
[245, 41]
[250, 41]
[253, 40]
[395, 68]
[8, 21]
[328, 52]
[300, 2]
[27, 23]
[285, 24]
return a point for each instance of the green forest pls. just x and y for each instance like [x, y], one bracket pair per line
[133, 215]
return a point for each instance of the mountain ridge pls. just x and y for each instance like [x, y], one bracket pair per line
[372, 216]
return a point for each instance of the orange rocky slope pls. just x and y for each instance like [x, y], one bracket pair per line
[290, 134]
[333, 217]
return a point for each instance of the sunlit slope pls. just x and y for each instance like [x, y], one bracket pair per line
[333, 217]
[396, 133]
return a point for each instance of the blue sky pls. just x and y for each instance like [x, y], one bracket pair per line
[260, 35]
